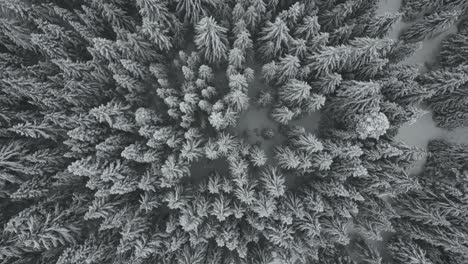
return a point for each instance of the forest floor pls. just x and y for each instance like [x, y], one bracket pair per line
[251, 123]
[255, 119]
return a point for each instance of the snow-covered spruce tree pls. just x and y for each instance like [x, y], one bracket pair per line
[432, 223]
[107, 105]
[414, 9]
[431, 25]
[211, 39]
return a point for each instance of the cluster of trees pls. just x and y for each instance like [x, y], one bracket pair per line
[431, 227]
[447, 87]
[106, 105]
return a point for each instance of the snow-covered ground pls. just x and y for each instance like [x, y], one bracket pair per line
[255, 119]
[421, 132]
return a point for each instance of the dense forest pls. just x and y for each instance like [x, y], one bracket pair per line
[178, 132]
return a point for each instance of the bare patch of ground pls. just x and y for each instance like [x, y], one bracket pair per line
[255, 119]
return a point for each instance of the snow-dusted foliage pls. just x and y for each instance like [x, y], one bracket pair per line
[119, 139]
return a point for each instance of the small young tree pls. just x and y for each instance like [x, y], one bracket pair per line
[268, 133]
[264, 99]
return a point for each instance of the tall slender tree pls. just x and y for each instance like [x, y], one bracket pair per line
[211, 40]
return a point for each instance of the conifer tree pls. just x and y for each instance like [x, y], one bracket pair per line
[452, 53]
[447, 89]
[308, 29]
[380, 26]
[211, 40]
[282, 114]
[347, 58]
[334, 17]
[402, 50]
[431, 25]
[264, 98]
[413, 9]
[275, 38]
[288, 68]
[273, 182]
[404, 251]
[238, 100]
[295, 91]
[194, 10]
[355, 98]
[236, 57]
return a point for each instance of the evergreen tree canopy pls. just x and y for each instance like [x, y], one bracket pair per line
[123, 140]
